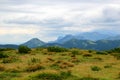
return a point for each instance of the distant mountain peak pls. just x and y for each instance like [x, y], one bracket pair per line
[34, 39]
[34, 42]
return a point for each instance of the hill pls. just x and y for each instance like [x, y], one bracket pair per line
[33, 43]
[9, 46]
[88, 44]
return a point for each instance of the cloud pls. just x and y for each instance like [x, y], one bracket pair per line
[48, 19]
[17, 30]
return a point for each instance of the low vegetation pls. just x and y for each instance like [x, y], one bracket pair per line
[23, 49]
[57, 63]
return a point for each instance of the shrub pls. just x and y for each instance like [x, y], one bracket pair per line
[56, 49]
[46, 76]
[10, 59]
[101, 52]
[55, 66]
[35, 67]
[13, 70]
[87, 55]
[3, 55]
[23, 49]
[75, 52]
[6, 49]
[50, 59]
[116, 55]
[8, 76]
[95, 68]
[65, 74]
[91, 51]
[118, 76]
[89, 78]
[98, 58]
[116, 50]
[107, 66]
[2, 68]
[34, 60]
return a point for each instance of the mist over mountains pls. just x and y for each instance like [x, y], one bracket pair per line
[88, 40]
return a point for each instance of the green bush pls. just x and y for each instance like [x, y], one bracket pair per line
[107, 66]
[3, 55]
[35, 60]
[46, 76]
[8, 76]
[56, 49]
[10, 59]
[87, 55]
[90, 51]
[6, 49]
[23, 49]
[116, 55]
[63, 75]
[102, 52]
[75, 52]
[89, 78]
[95, 68]
[117, 50]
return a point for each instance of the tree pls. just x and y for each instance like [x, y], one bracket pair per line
[23, 49]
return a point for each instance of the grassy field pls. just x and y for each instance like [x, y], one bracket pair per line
[72, 64]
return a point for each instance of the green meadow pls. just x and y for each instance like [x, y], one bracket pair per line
[55, 63]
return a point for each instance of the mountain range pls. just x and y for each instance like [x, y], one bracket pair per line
[89, 40]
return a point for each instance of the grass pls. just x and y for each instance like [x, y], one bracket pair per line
[71, 64]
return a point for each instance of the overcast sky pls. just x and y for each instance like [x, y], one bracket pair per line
[21, 20]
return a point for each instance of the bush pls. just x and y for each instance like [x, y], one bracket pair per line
[10, 59]
[35, 60]
[6, 49]
[116, 55]
[23, 49]
[116, 50]
[46, 76]
[89, 78]
[56, 49]
[8, 76]
[2, 68]
[107, 66]
[118, 76]
[95, 68]
[101, 52]
[87, 55]
[3, 55]
[63, 75]
[90, 51]
[75, 52]
[32, 68]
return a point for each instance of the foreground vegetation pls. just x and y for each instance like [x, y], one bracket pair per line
[55, 63]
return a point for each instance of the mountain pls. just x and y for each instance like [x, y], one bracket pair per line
[63, 39]
[88, 44]
[96, 45]
[9, 46]
[35, 42]
[94, 36]
[114, 38]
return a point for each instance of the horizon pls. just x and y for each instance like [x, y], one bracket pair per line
[22, 20]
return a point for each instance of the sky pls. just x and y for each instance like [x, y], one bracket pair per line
[21, 20]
